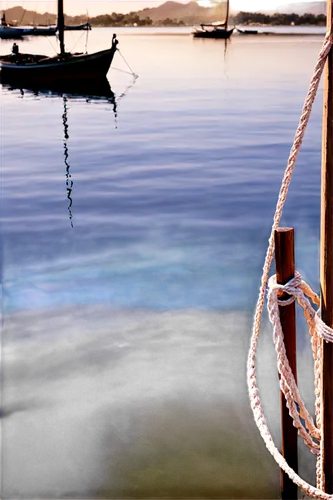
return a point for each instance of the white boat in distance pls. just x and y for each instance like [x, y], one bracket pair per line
[13, 32]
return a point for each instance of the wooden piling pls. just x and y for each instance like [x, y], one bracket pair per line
[326, 264]
[285, 270]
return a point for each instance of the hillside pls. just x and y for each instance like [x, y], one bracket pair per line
[20, 16]
[175, 10]
[171, 10]
[189, 13]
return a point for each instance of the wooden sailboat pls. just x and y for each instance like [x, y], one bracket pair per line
[215, 30]
[65, 66]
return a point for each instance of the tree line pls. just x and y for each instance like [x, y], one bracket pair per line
[134, 19]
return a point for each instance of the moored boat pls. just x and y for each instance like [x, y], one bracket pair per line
[78, 27]
[216, 29]
[25, 67]
[34, 67]
[212, 31]
[43, 31]
[11, 32]
[246, 31]
[52, 30]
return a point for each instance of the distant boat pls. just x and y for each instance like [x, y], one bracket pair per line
[11, 32]
[62, 67]
[216, 30]
[212, 31]
[43, 31]
[79, 27]
[247, 32]
[52, 30]
[276, 33]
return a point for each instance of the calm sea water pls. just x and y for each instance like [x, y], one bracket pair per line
[133, 237]
[173, 192]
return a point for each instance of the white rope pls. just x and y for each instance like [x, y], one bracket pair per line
[303, 421]
[307, 430]
[258, 413]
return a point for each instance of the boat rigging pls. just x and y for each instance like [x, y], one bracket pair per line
[65, 66]
[215, 29]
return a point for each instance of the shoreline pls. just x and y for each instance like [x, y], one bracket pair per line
[313, 26]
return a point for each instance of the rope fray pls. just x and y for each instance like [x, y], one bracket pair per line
[318, 330]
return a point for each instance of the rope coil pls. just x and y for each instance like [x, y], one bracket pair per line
[317, 329]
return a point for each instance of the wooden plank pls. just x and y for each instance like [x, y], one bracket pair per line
[285, 270]
[326, 264]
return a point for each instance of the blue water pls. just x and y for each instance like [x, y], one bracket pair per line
[123, 302]
[172, 198]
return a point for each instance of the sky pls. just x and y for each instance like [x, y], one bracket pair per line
[95, 7]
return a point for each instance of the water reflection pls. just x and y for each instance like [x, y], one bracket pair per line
[69, 181]
[95, 90]
[99, 90]
[225, 56]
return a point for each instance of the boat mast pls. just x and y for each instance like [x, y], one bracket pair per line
[227, 16]
[326, 263]
[61, 26]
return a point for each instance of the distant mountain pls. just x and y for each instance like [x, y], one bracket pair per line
[20, 16]
[189, 13]
[175, 10]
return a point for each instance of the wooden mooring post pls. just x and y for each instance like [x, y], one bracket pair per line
[326, 264]
[285, 270]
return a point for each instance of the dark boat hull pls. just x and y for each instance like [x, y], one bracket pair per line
[11, 33]
[247, 32]
[80, 27]
[52, 31]
[11, 36]
[58, 69]
[217, 33]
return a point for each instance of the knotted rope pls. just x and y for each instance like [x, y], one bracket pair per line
[258, 413]
[307, 430]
